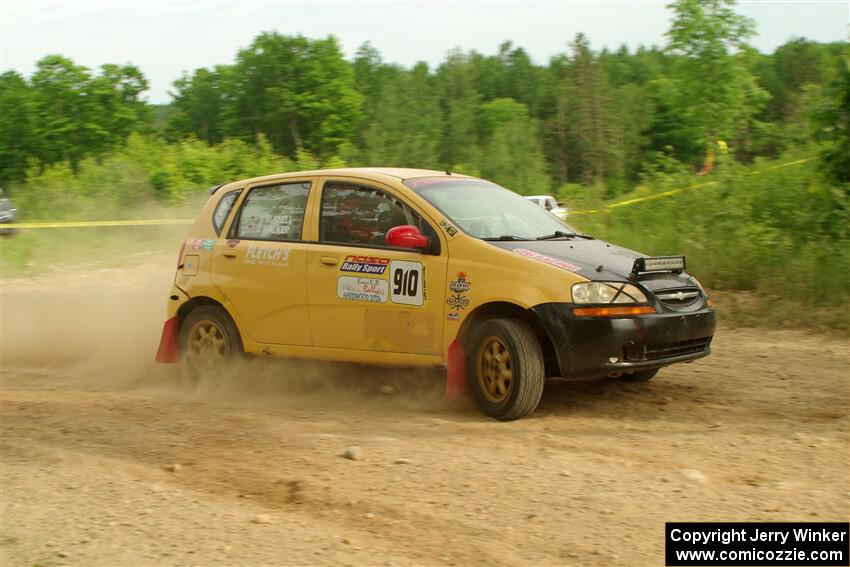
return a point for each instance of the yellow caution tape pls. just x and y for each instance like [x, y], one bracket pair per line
[780, 166]
[86, 224]
[672, 192]
[657, 195]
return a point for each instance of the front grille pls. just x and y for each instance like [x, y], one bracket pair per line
[678, 297]
[667, 350]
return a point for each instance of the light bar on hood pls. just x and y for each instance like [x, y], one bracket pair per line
[658, 264]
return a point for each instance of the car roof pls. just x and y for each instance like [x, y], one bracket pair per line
[539, 197]
[374, 173]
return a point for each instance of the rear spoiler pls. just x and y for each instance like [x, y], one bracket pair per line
[653, 264]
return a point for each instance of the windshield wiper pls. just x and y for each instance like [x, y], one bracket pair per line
[562, 234]
[505, 237]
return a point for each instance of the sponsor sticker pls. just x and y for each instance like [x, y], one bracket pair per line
[371, 265]
[203, 244]
[547, 259]
[458, 300]
[371, 290]
[262, 256]
[460, 285]
[450, 229]
[408, 282]
[232, 243]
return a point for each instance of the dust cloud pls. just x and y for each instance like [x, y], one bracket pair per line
[99, 327]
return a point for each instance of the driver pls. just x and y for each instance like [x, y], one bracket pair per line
[354, 221]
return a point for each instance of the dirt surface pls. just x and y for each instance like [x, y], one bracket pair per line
[92, 429]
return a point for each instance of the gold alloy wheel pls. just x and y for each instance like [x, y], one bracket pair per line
[495, 370]
[207, 343]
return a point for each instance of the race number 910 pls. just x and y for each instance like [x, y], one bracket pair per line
[407, 282]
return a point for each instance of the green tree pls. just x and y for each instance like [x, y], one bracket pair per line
[62, 112]
[514, 157]
[116, 103]
[70, 114]
[408, 129]
[832, 122]
[17, 139]
[298, 92]
[715, 95]
[200, 104]
[460, 100]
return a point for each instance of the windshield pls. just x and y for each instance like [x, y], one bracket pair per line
[485, 210]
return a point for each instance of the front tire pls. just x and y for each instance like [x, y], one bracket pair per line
[505, 368]
[208, 341]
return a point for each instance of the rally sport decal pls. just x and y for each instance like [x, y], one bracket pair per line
[374, 279]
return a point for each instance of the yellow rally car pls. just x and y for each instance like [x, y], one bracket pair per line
[412, 267]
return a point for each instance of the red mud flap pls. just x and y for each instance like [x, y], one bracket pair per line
[456, 372]
[168, 350]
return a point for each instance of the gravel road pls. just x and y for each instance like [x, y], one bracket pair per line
[109, 459]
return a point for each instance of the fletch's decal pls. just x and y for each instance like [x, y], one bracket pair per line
[450, 229]
[408, 281]
[547, 259]
[458, 300]
[267, 256]
[365, 265]
[203, 244]
[370, 290]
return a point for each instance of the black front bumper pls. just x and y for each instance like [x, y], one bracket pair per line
[598, 346]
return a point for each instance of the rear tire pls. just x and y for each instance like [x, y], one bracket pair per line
[208, 341]
[505, 368]
[642, 376]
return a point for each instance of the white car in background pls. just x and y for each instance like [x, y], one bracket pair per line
[8, 215]
[549, 203]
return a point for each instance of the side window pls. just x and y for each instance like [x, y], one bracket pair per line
[273, 212]
[222, 210]
[353, 214]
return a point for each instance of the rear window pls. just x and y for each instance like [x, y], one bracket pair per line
[273, 212]
[222, 210]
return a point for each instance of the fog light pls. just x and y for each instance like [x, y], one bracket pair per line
[613, 359]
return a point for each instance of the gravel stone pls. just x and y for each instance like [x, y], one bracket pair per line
[353, 453]
[693, 475]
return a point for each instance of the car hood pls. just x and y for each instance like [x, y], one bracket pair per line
[596, 260]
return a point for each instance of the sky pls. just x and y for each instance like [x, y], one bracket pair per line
[165, 38]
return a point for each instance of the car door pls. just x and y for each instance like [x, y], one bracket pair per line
[261, 267]
[363, 294]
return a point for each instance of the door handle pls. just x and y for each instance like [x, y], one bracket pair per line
[329, 260]
[229, 253]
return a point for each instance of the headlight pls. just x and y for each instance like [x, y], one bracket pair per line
[699, 285]
[708, 300]
[607, 292]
